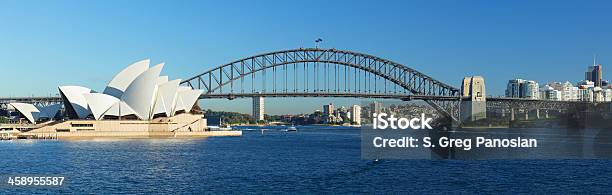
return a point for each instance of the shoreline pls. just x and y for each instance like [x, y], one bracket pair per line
[123, 135]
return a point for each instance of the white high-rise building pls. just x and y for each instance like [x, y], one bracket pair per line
[588, 92]
[376, 107]
[531, 90]
[328, 109]
[258, 108]
[573, 94]
[598, 94]
[549, 93]
[356, 114]
[585, 94]
[568, 91]
[586, 84]
[607, 93]
[580, 94]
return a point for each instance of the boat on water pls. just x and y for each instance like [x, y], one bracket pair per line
[218, 128]
[292, 128]
[221, 128]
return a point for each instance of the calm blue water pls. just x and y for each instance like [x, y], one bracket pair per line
[313, 160]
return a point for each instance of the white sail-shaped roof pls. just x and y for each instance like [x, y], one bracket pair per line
[184, 88]
[114, 110]
[99, 103]
[74, 96]
[119, 109]
[140, 95]
[136, 90]
[166, 97]
[123, 79]
[159, 108]
[188, 99]
[178, 106]
[27, 110]
[162, 80]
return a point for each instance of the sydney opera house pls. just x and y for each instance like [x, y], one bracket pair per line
[136, 102]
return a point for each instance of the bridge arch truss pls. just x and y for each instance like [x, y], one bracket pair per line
[314, 72]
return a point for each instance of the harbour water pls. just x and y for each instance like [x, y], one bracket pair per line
[311, 160]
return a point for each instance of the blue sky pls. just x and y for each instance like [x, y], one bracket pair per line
[44, 44]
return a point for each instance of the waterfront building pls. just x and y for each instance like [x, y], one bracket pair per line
[531, 90]
[356, 114]
[585, 94]
[332, 118]
[328, 109]
[594, 74]
[588, 92]
[33, 113]
[137, 92]
[586, 84]
[568, 91]
[520, 88]
[514, 88]
[137, 102]
[341, 115]
[376, 107]
[598, 94]
[580, 95]
[342, 110]
[572, 94]
[549, 93]
[607, 94]
[258, 108]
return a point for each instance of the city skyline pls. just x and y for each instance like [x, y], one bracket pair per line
[593, 88]
[195, 37]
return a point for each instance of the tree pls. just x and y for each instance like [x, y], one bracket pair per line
[3, 119]
[346, 120]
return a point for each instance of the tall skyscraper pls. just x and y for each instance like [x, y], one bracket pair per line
[356, 114]
[328, 109]
[376, 107]
[594, 73]
[258, 108]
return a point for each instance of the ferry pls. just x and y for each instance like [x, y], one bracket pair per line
[220, 128]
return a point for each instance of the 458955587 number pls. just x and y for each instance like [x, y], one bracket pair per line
[35, 181]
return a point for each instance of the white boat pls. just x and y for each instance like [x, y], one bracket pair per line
[220, 128]
[292, 128]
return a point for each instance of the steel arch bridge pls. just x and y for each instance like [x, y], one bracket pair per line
[315, 72]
